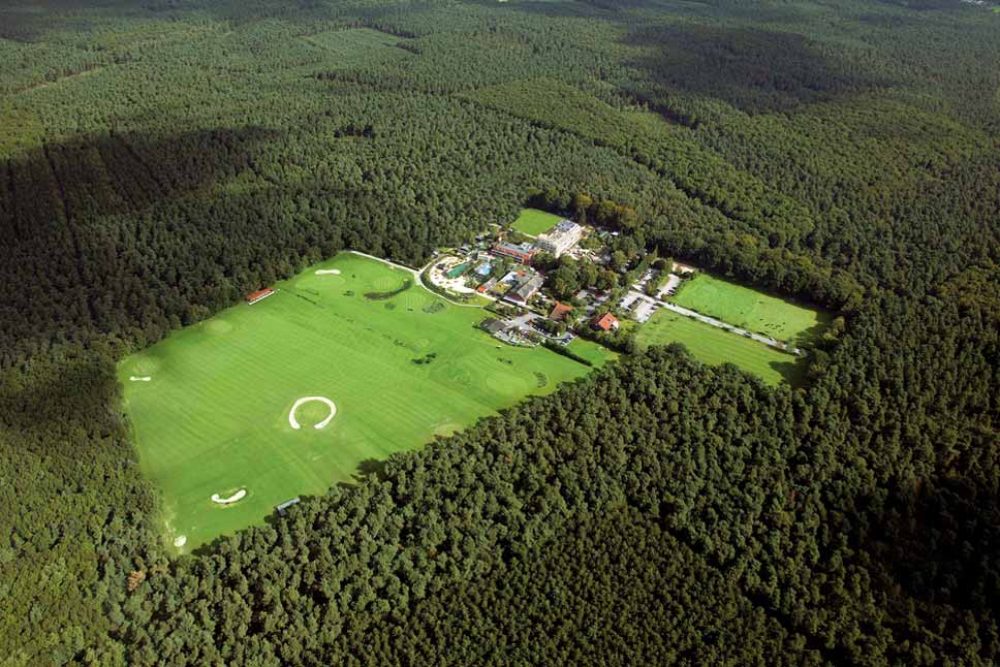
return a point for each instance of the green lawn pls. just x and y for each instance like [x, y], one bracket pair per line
[749, 309]
[712, 345]
[213, 418]
[360, 46]
[533, 222]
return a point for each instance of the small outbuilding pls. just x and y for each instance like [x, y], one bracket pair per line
[259, 295]
[605, 322]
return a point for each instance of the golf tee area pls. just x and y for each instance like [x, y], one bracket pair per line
[349, 361]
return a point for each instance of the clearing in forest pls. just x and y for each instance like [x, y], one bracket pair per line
[751, 310]
[364, 362]
[714, 346]
[358, 46]
[533, 222]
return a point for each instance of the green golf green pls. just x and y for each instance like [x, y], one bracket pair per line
[749, 309]
[212, 405]
[714, 346]
[533, 222]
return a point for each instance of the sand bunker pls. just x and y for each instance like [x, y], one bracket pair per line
[239, 495]
[140, 378]
[294, 423]
[180, 540]
[328, 272]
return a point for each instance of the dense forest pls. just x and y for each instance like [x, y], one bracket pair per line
[159, 158]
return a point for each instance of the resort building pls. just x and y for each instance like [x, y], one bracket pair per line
[526, 289]
[560, 238]
[522, 252]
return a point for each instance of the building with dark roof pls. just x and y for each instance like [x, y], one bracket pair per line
[526, 289]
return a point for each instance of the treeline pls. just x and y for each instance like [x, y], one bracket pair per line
[770, 490]
[658, 509]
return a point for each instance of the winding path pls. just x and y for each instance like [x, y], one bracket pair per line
[418, 274]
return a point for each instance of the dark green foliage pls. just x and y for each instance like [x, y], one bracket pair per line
[161, 159]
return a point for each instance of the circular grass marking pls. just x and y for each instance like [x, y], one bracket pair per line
[146, 366]
[446, 429]
[218, 327]
[294, 423]
[415, 299]
[386, 283]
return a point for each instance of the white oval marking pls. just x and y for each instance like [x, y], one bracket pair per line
[294, 423]
[239, 495]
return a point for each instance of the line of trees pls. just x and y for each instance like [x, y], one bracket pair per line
[658, 509]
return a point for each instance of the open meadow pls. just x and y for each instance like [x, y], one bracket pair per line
[751, 310]
[212, 405]
[533, 222]
[714, 346]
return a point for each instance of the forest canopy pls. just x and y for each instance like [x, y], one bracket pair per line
[159, 159]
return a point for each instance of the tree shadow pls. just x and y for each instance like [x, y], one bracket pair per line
[937, 543]
[56, 394]
[85, 178]
[814, 334]
[792, 371]
[371, 468]
[756, 71]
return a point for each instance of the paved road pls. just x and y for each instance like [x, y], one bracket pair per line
[766, 340]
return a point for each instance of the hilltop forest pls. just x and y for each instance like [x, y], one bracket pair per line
[159, 158]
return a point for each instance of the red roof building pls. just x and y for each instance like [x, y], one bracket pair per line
[560, 311]
[523, 252]
[605, 322]
[259, 295]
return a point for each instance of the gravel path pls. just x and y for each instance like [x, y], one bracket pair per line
[760, 338]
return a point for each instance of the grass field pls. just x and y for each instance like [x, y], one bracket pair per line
[750, 309]
[213, 417]
[359, 46]
[714, 346]
[533, 222]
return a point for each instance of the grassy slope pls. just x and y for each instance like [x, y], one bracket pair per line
[749, 309]
[359, 46]
[534, 222]
[214, 418]
[715, 346]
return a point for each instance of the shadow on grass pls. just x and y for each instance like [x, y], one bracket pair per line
[793, 371]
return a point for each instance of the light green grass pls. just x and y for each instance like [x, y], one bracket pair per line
[714, 346]
[749, 309]
[361, 46]
[595, 354]
[214, 417]
[533, 222]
